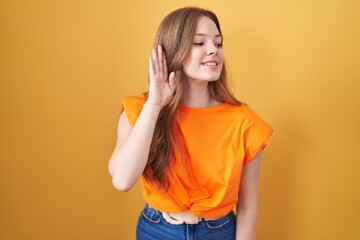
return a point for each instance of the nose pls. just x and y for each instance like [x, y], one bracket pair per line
[212, 49]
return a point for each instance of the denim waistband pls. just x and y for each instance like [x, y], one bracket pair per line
[177, 218]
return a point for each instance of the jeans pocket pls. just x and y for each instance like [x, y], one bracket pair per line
[151, 215]
[221, 222]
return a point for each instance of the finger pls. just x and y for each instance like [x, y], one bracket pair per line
[151, 67]
[155, 61]
[165, 63]
[161, 57]
[172, 80]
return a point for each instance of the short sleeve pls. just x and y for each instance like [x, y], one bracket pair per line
[256, 135]
[132, 107]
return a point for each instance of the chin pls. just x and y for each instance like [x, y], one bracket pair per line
[205, 77]
[212, 78]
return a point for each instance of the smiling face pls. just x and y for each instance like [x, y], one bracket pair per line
[205, 60]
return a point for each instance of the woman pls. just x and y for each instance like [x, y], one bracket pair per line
[196, 148]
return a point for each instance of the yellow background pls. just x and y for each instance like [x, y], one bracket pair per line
[66, 65]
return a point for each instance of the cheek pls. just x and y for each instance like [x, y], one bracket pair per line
[192, 62]
[221, 56]
[195, 55]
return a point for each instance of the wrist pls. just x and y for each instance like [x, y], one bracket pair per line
[152, 106]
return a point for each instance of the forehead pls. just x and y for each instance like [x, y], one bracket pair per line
[206, 26]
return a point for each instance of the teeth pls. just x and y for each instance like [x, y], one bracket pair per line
[210, 64]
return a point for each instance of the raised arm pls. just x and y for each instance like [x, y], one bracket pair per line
[246, 218]
[130, 156]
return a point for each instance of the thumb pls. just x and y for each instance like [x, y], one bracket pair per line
[172, 80]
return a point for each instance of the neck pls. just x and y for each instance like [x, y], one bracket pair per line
[197, 96]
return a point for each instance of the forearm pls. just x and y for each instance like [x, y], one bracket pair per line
[246, 220]
[129, 159]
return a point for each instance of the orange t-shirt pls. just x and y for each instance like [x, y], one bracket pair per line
[219, 141]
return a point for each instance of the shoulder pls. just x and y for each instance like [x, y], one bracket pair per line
[242, 111]
[134, 100]
[247, 116]
[132, 106]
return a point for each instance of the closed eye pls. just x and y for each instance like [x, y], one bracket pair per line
[218, 45]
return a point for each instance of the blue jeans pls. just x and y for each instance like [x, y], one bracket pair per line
[152, 226]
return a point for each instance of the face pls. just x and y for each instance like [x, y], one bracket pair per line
[205, 60]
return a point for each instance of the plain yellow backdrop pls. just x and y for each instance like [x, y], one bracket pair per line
[66, 65]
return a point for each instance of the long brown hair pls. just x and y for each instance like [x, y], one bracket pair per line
[176, 34]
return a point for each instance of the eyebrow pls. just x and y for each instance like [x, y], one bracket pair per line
[203, 34]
